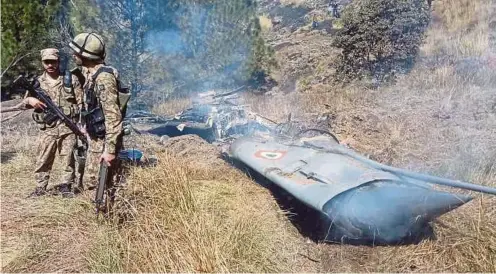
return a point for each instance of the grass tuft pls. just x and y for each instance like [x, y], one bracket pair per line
[189, 219]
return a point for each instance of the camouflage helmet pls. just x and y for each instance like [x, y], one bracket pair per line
[89, 46]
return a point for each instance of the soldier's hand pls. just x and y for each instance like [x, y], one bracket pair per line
[107, 157]
[35, 103]
[82, 128]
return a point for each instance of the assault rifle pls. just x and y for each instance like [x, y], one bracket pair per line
[110, 178]
[34, 90]
[53, 111]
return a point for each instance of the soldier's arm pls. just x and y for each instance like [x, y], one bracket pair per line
[27, 103]
[106, 87]
[33, 102]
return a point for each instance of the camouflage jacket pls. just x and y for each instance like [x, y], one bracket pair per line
[69, 100]
[106, 90]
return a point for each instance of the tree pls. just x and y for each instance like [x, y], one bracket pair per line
[154, 43]
[128, 53]
[217, 43]
[380, 37]
[25, 25]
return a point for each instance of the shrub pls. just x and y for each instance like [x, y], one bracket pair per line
[380, 38]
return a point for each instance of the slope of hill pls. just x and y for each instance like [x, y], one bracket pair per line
[440, 118]
[193, 212]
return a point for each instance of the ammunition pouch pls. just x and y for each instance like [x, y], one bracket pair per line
[69, 94]
[45, 118]
[95, 123]
[48, 119]
[74, 112]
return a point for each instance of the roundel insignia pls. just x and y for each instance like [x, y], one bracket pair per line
[270, 155]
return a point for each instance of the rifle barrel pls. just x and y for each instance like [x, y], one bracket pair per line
[39, 93]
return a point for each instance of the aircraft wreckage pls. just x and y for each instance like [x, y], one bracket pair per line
[361, 201]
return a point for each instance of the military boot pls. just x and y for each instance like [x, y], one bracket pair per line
[65, 190]
[39, 191]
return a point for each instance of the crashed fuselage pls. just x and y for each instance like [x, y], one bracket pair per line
[362, 201]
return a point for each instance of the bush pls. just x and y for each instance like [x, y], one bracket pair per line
[380, 38]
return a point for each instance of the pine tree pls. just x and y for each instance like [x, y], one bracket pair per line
[128, 28]
[25, 25]
[380, 38]
[221, 42]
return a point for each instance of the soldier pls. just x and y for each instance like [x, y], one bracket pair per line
[103, 118]
[55, 136]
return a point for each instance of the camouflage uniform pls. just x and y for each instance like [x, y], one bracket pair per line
[106, 90]
[103, 93]
[56, 137]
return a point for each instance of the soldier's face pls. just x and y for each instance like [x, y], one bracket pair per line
[77, 59]
[51, 66]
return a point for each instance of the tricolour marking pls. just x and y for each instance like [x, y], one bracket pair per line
[270, 154]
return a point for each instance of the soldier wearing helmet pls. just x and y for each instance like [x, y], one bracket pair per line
[55, 136]
[102, 107]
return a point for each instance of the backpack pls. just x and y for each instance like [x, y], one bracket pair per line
[94, 114]
[124, 94]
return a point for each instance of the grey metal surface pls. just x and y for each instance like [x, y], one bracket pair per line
[362, 203]
[312, 176]
[386, 212]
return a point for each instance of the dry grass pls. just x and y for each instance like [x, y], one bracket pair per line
[265, 23]
[460, 29]
[279, 106]
[44, 234]
[192, 218]
[172, 106]
[437, 119]
[296, 3]
[187, 217]
[466, 241]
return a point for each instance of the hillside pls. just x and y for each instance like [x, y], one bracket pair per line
[439, 118]
[194, 212]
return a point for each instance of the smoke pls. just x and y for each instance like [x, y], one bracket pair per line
[166, 42]
[208, 46]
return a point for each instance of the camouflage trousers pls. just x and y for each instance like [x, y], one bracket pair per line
[49, 145]
[92, 169]
[92, 166]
